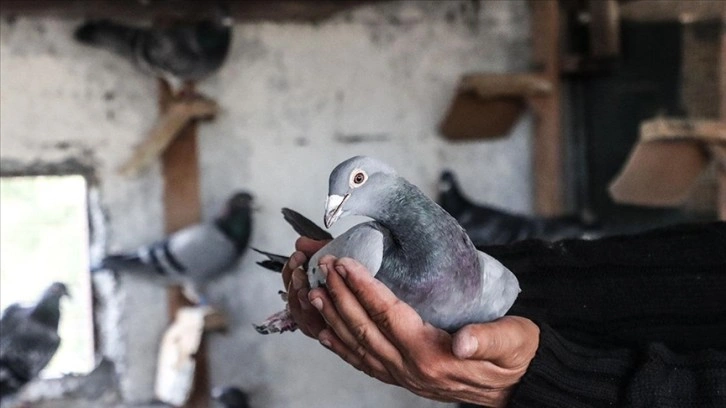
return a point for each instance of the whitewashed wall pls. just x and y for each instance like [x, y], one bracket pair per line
[296, 99]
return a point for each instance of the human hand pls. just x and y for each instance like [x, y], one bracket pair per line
[295, 280]
[377, 333]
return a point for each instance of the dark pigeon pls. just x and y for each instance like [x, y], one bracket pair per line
[490, 226]
[231, 397]
[178, 53]
[29, 339]
[413, 246]
[195, 255]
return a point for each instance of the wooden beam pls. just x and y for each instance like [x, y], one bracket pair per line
[240, 10]
[182, 207]
[175, 118]
[548, 150]
[707, 131]
[721, 153]
[487, 85]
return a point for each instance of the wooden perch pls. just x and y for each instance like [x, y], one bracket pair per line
[708, 131]
[488, 105]
[179, 114]
[667, 161]
[489, 86]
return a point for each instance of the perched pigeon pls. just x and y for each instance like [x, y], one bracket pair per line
[29, 339]
[413, 246]
[490, 226]
[197, 254]
[178, 53]
[231, 397]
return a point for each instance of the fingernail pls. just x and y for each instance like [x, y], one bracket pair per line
[323, 269]
[297, 281]
[341, 271]
[323, 339]
[317, 302]
[467, 346]
[296, 259]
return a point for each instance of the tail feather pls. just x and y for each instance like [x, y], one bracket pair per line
[117, 262]
[274, 262]
[303, 226]
[105, 34]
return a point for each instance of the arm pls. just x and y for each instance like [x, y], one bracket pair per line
[564, 373]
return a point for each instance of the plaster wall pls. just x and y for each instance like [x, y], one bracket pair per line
[296, 100]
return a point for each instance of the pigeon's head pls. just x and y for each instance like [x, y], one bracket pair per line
[56, 291]
[355, 186]
[239, 201]
[230, 397]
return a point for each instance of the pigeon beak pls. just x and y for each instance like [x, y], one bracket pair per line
[334, 208]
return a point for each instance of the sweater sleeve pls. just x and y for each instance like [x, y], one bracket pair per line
[569, 374]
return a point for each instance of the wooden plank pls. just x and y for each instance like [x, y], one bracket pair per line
[708, 131]
[488, 85]
[170, 123]
[182, 207]
[721, 154]
[604, 29]
[548, 149]
[247, 10]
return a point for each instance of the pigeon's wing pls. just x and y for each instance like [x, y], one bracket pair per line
[364, 242]
[200, 253]
[11, 316]
[303, 226]
[28, 348]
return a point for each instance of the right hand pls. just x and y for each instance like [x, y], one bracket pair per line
[295, 280]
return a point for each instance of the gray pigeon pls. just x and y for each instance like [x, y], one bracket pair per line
[491, 226]
[178, 53]
[195, 255]
[29, 339]
[231, 397]
[413, 246]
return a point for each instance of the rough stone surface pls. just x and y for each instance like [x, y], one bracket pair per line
[296, 100]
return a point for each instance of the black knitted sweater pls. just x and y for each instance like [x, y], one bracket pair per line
[626, 321]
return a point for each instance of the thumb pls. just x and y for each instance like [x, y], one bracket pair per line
[500, 341]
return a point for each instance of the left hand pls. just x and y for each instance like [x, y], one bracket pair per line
[377, 333]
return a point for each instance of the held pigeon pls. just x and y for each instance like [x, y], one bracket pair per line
[29, 339]
[179, 53]
[489, 226]
[231, 397]
[195, 255]
[413, 246]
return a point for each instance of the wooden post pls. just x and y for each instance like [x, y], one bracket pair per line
[722, 94]
[548, 151]
[182, 207]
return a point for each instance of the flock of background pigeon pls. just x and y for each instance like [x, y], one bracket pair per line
[417, 263]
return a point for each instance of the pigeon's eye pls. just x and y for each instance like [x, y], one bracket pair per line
[357, 178]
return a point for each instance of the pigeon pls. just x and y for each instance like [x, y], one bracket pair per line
[231, 397]
[188, 51]
[490, 226]
[411, 245]
[29, 339]
[195, 255]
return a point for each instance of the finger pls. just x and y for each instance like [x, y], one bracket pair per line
[309, 246]
[297, 259]
[307, 319]
[398, 321]
[368, 365]
[320, 300]
[508, 342]
[351, 316]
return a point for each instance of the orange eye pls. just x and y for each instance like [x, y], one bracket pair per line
[359, 178]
